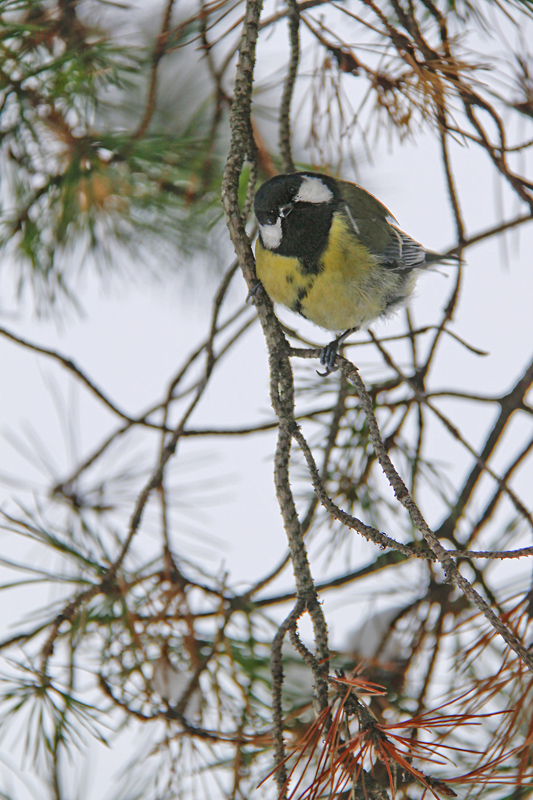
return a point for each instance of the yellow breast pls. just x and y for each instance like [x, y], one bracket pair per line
[341, 295]
[281, 276]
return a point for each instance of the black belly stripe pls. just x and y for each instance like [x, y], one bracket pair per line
[302, 294]
[310, 266]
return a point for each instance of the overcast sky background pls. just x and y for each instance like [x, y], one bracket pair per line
[134, 334]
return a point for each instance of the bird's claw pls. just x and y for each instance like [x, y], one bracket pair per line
[328, 354]
[253, 291]
[328, 357]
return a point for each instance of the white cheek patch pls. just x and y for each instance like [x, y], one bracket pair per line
[313, 190]
[271, 235]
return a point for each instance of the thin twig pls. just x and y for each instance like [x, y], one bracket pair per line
[159, 52]
[403, 496]
[276, 670]
[293, 15]
[72, 367]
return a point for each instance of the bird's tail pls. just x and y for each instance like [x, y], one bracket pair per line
[439, 258]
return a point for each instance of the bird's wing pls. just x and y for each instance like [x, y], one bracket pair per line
[402, 253]
[375, 227]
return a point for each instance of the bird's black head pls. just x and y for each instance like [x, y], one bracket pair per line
[294, 212]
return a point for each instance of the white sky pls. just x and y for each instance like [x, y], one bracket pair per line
[133, 337]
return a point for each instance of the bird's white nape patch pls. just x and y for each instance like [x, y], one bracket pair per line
[313, 190]
[271, 235]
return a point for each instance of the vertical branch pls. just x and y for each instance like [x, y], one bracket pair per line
[287, 164]
[459, 224]
[450, 179]
[281, 378]
[276, 669]
[282, 396]
[159, 51]
[242, 140]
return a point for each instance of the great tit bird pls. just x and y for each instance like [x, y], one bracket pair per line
[328, 250]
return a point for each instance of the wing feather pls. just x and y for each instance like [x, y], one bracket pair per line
[375, 227]
[403, 253]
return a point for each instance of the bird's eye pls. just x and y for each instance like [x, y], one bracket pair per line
[285, 210]
[270, 218]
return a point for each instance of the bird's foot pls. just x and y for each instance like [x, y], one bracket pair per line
[257, 289]
[328, 354]
[328, 357]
